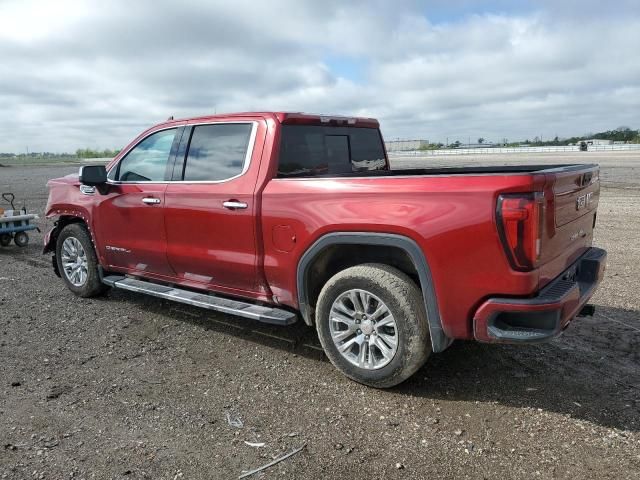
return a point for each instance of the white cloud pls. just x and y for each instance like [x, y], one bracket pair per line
[95, 74]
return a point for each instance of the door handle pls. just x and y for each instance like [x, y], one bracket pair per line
[151, 200]
[234, 204]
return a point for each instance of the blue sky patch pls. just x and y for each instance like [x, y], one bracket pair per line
[452, 12]
[351, 68]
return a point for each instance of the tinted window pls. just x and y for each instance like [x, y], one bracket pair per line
[337, 150]
[148, 160]
[317, 150]
[302, 151]
[217, 152]
[366, 149]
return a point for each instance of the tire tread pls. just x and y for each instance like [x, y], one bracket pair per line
[407, 299]
[94, 286]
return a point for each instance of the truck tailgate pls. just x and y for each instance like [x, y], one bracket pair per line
[576, 194]
[571, 196]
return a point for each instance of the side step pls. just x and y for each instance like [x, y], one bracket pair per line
[275, 316]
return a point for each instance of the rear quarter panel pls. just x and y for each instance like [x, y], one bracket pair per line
[452, 218]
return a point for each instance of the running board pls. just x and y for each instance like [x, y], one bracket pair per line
[275, 316]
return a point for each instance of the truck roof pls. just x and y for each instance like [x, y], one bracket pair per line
[299, 118]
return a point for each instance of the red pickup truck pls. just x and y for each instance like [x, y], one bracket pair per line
[281, 216]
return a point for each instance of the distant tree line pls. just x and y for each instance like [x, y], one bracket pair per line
[35, 155]
[620, 134]
[90, 153]
[80, 153]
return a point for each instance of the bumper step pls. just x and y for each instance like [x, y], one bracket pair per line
[275, 316]
[546, 315]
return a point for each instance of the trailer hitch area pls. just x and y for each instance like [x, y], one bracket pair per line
[587, 311]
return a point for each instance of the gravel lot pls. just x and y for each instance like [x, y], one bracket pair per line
[127, 386]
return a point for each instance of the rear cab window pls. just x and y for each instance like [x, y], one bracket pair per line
[316, 150]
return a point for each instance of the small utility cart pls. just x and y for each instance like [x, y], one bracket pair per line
[14, 224]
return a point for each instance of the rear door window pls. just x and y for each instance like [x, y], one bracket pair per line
[307, 151]
[217, 152]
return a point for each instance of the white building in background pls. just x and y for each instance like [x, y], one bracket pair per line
[598, 141]
[403, 145]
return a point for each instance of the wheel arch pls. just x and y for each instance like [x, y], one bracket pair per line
[439, 340]
[51, 237]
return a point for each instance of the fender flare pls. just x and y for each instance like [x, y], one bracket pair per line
[65, 217]
[439, 340]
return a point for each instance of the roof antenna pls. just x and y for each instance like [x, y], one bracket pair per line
[170, 118]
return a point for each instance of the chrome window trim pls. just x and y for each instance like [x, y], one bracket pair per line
[245, 166]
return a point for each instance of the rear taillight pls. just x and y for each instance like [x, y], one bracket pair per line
[520, 223]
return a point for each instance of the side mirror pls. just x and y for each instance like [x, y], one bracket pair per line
[93, 176]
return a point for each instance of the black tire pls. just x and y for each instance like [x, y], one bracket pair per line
[92, 286]
[21, 239]
[403, 299]
[5, 239]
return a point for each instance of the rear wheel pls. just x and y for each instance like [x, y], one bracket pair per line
[21, 239]
[372, 324]
[77, 261]
[5, 239]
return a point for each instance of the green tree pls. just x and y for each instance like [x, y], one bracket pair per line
[89, 153]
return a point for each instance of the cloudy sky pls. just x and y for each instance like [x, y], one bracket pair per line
[94, 74]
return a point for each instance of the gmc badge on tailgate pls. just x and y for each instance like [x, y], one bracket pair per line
[584, 200]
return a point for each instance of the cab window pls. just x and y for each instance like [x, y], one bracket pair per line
[217, 152]
[314, 150]
[147, 161]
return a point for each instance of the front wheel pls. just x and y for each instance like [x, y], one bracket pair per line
[372, 324]
[77, 261]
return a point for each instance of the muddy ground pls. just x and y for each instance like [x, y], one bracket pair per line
[130, 387]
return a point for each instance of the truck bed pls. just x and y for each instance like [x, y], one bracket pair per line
[479, 170]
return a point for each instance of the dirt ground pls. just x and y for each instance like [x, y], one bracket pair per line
[131, 387]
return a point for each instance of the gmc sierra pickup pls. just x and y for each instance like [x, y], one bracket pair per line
[280, 216]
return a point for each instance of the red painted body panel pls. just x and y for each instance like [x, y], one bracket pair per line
[138, 242]
[254, 253]
[210, 244]
[450, 217]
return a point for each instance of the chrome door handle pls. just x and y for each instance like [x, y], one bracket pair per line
[234, 204]
[151, 200]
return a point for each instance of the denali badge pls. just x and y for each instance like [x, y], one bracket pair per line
[584, 200]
